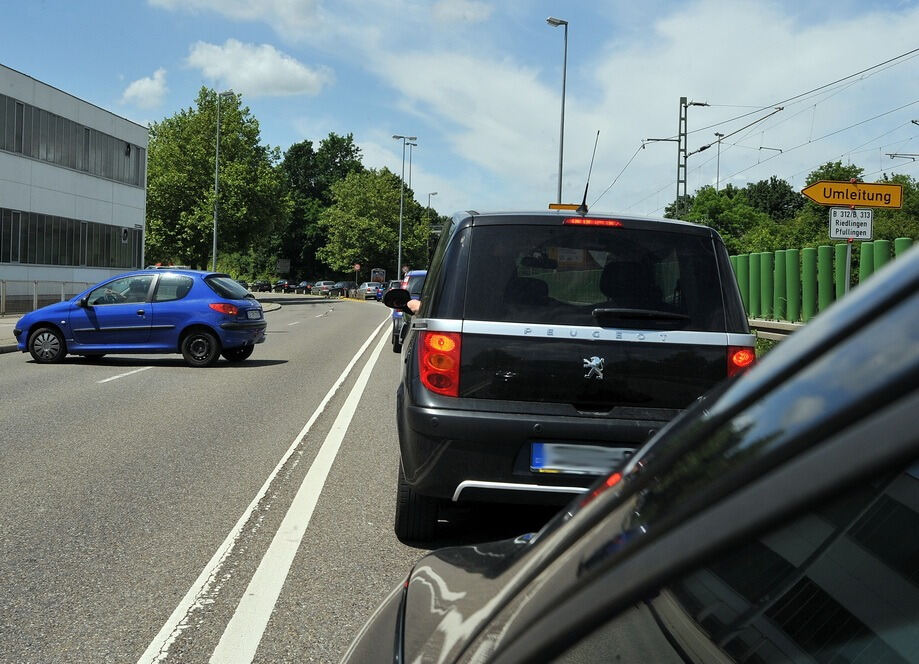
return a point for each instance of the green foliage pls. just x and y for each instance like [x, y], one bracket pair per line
[309, 176]
[180, 185]
[362, 225]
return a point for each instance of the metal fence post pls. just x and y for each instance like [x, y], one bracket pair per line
[755, 269]
[808, 283]
[766, 277]
[743, 280]
[34, 295]
[839, 270]
[881, 253]
[2, 298]
[824, 277]
[793, 283]
[901, 244]
[779, 299]
[865, 261]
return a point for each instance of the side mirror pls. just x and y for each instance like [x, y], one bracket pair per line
[84, 301]
[397, 298]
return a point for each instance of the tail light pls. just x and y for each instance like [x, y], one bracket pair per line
[439, 362]
[225, 308]
[740, 358]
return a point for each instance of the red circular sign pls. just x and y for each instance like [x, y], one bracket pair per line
[357, 266]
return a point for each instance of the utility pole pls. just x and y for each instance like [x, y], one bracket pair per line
[718, 167]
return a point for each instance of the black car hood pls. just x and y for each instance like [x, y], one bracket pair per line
[451, 593]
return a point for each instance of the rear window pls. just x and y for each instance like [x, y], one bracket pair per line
[226, 287]
[562, 275]
[416, 284]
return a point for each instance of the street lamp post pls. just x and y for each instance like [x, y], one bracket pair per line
[431, 193]
[555, 22]
[220, 95]
[718, 162]
[410, 146]
[401, 197]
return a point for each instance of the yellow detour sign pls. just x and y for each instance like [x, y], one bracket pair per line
[858, 194]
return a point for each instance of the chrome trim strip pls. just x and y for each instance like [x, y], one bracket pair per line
[438, 324]
[592, 333]
[508, 486]
[735, 339]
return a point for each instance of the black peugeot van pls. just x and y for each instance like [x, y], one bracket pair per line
[549, 346]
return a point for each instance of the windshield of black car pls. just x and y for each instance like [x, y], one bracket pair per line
[226, 287]
[562, 275]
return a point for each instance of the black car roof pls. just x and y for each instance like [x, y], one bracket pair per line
[554, 217]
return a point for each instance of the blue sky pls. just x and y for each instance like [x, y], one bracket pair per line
[479, 83]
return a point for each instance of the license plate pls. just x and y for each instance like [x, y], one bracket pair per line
[253, 313]
[576, 459]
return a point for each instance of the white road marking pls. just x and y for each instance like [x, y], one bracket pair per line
[123, 375]
[244, 631]
[201, 592]
[296, 322]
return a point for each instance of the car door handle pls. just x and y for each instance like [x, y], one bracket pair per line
[140, 312]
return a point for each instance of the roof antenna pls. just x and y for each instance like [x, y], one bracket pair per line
[582, 208]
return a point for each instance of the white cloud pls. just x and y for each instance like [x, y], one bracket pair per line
[461, 11]
[292, 19]
[147, 92]
[256, 70]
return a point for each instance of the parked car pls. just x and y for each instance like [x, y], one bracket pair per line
[201, 315]
[342, 288]
[304, 287]
[261, 286]
[322, 288]
[549, 347]
[367, 290]
[777, 520]
[414, 284]
[283, 286]
[244, 284]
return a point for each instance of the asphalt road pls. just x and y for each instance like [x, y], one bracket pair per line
[142, 500]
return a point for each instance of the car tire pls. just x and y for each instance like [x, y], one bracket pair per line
[200, 348]
[47, 346]
[238, 354]
[416, 515]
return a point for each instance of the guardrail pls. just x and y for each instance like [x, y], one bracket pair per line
[774, 330]
[21, 297]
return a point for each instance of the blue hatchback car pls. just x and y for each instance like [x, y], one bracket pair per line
[201, 315]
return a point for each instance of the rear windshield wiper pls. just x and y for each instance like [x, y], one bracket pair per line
[637, 314]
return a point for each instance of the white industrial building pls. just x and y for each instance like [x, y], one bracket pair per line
[72, 189]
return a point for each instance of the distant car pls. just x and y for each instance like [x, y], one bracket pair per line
[201, 315]
[413, 283]
[260, 286]
[322, 288]
[244, 284]
[367, 290]
[304, 287]
[342, 288]
[776, 520]
[388, 286]
[283, 286]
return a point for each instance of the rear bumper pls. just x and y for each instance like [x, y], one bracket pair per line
[242, 333]
[464, 455]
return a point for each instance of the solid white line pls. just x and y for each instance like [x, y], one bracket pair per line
[200, 592]
[123, 375]
[296, 322]
[241, 638]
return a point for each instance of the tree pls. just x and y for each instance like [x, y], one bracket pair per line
[362, 225]
[774, 197]
[180, 185]
[309, 175]
[727, 211]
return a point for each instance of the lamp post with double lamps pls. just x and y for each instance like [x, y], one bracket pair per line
[555, 22]
[399, 137]
[220, 95]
